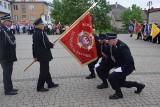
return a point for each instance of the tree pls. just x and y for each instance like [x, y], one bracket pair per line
[67, 11]
[130, 15]
[100, 19]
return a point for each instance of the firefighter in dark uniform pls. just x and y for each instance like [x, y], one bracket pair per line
[7, 53]
[123, 66]
[104, 66]
[91, 65]
[42, 53]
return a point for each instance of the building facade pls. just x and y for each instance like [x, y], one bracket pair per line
[5, 7]
[115, 14]
[154, 15]
[28, 11]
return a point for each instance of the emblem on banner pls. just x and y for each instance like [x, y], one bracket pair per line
[85, 40]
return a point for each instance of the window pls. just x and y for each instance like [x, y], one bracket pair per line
[23, 7]
[23, 16]
[31, 17]
[45, 17]
[1, 3]
[46, 8]
[15, 17]
[31, 7]
[9, 8]
[5, 5]
[15, 7]
[48, 18]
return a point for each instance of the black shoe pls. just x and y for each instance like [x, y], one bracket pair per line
[43, 90]
[139, 88]
[15, 90]
[53, 86]
[91, 76]
[102, 86]
[116, 96]
[10, 92]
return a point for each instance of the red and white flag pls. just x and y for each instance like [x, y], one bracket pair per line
[79, 41]
[137, 27]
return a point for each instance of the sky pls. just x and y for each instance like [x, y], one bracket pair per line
[128, 3]
[140, 3]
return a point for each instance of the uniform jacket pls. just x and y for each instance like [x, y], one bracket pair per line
[41, 46]
[7, 45]
[123, 57]
[98, 46]
[106, 59]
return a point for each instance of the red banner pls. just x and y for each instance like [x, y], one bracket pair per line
[137, 27]
[79, 41]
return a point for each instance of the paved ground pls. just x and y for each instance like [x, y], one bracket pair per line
[75, 90]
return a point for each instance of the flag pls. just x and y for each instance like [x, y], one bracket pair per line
[146, 30]
[137, 27]
[154, 31]
[131, 28]
[79, 41]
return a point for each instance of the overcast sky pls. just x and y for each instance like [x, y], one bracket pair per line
[128, 3]
[141, 3]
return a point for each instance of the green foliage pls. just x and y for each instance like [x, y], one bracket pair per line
[100, 19]
[67, 11]
[130, 15]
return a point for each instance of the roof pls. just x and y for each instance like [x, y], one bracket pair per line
[47, 3]
[117, 12]
[154, 10]
[117, 6]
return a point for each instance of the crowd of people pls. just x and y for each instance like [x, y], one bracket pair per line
[114, 54]
[49, 29]
[144, 33]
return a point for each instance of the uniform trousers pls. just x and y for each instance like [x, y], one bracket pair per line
[91, 66]
[44, 75]
[118, 79]
[7, 74]
[103, 72]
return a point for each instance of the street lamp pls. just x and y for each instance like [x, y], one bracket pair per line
[148, 4]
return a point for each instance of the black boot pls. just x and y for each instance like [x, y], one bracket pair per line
[53, 85]
[91, 76]
[42, 90]
[102, 86]
[116, 96]
[139, 87]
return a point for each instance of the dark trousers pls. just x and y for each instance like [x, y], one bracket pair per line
[139, 35]
[159, 38]
[7, 73]
[149, 38]
[155, 39]
[18, 31]
[103, 72]
[91, 66]
[118, 80]
[44, 75]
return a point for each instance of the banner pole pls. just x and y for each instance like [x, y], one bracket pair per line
[30, 65]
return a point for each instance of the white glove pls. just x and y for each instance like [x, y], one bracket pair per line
[119, 69]
[96, 65]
